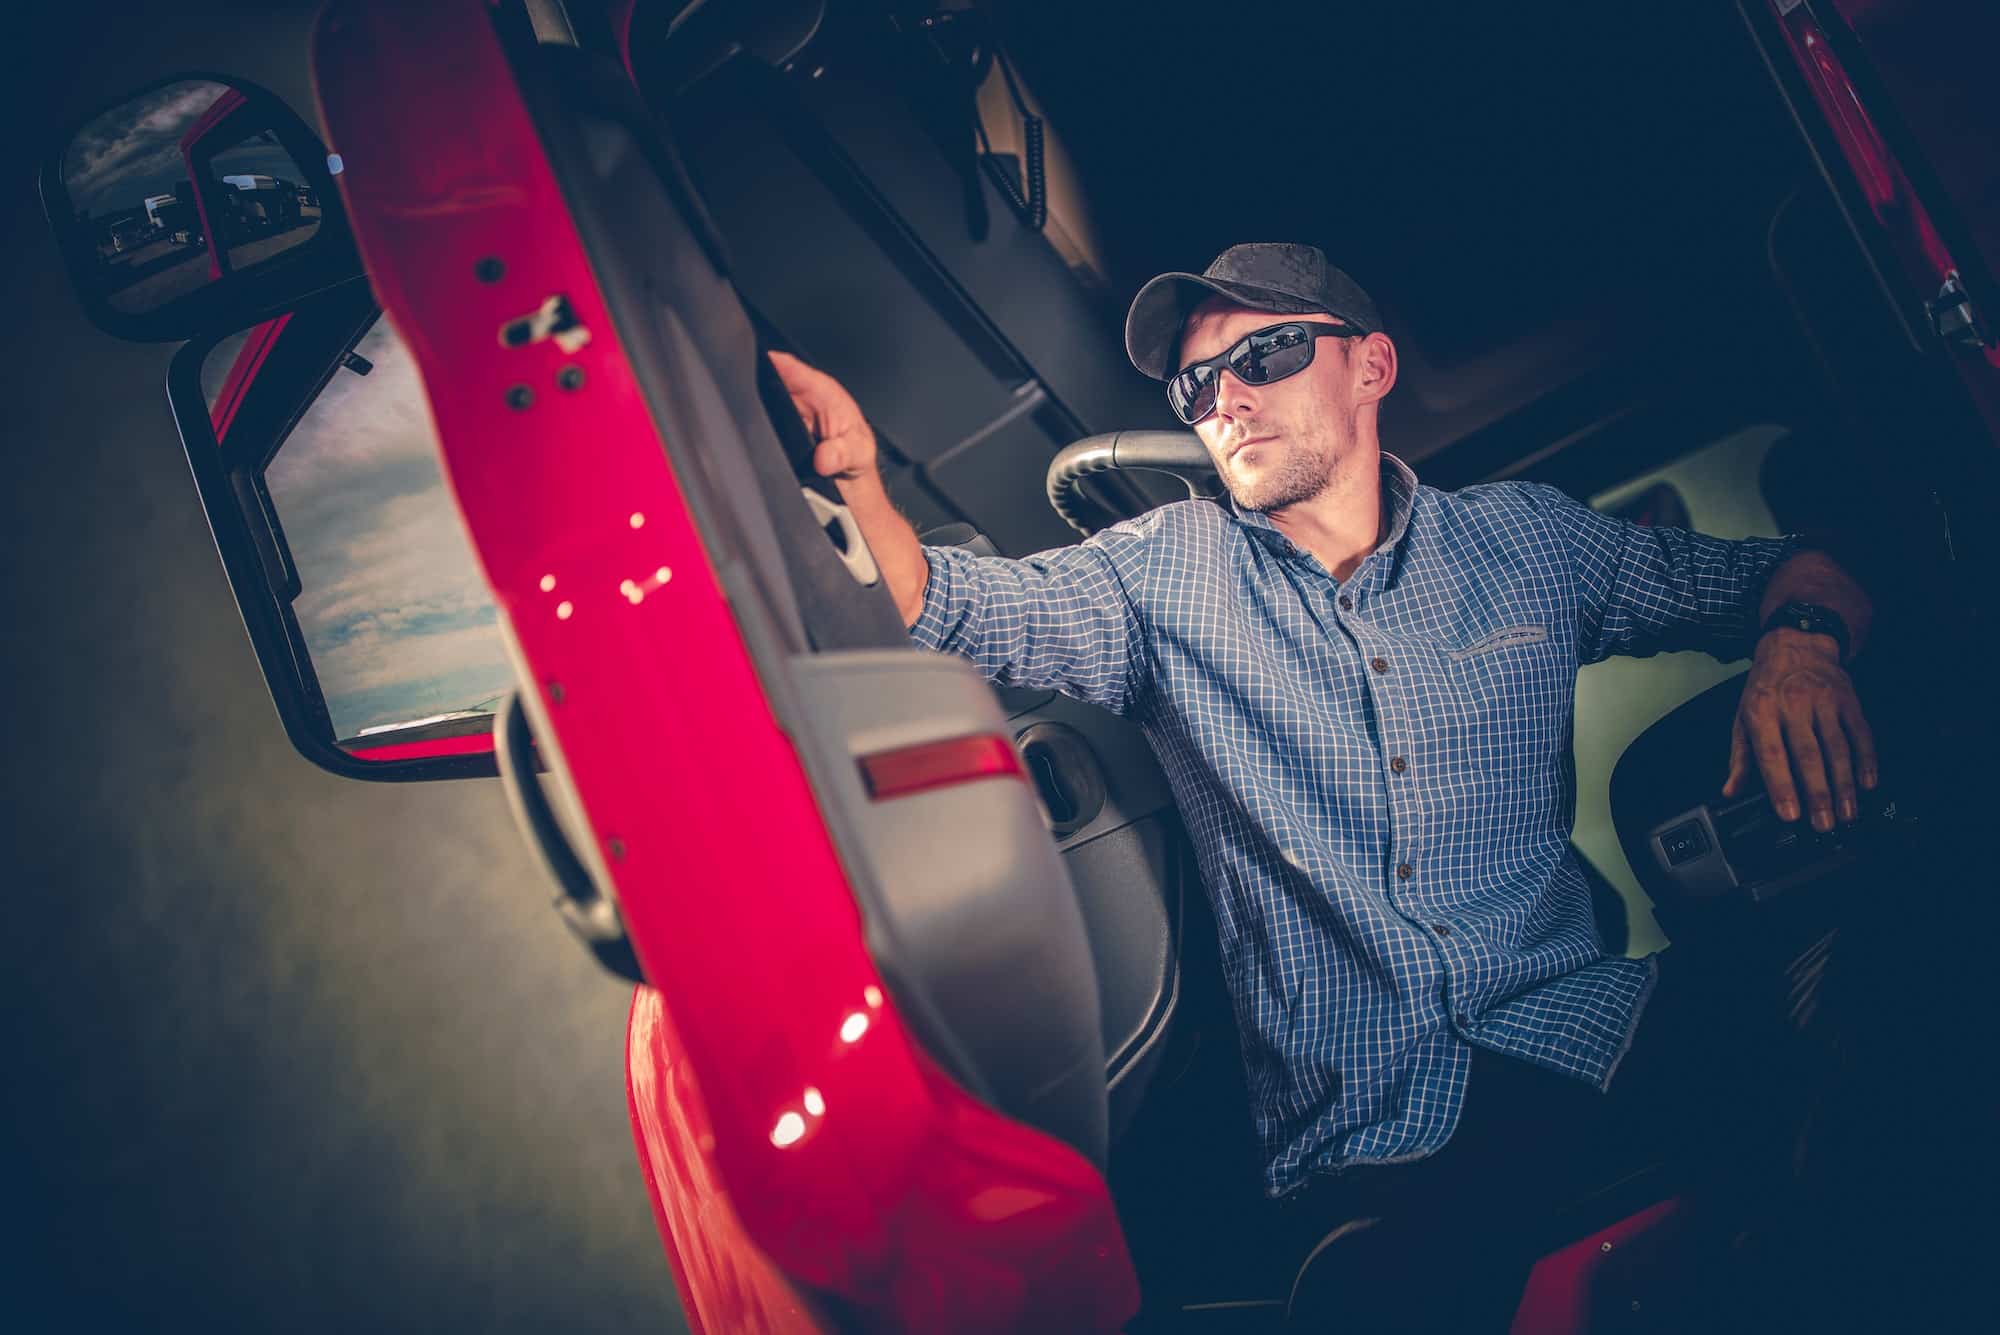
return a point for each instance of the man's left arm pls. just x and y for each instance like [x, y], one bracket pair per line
[1799, 714]
[1641, 590]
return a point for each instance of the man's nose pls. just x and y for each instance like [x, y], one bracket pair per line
[1233, 397]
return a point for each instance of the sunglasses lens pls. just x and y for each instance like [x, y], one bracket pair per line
[1192, 393]
[1267, 355]
[1273, 354]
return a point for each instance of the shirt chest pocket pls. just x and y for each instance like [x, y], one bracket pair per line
[1507, 637]
[1502, 659]
[1509, 680]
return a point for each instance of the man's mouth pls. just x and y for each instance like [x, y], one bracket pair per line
[1241, 446]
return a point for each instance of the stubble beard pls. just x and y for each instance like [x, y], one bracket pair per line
[1302, 473]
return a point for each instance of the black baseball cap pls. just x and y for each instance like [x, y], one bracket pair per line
[1263, 275]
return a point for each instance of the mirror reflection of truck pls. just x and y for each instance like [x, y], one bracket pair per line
[175, 216]
[259, 203]
[123, 231]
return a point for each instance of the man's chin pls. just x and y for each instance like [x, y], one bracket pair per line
[1247, 493]
[1267, 498]
[1260, 504]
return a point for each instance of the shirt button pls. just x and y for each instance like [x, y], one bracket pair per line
[1379, 664]
[1404, 871]
[1441, 928]
[1462, 1020]
[1398, 764]
[1346, 603]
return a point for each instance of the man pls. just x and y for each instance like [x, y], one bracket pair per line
[1360, 689]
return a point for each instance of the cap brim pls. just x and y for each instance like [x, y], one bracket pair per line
[1153, 324]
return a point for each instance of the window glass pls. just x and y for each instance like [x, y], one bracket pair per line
[394, 610]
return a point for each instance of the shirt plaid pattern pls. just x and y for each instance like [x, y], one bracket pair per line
[1376, 772]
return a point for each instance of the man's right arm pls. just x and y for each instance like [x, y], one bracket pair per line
[890, 537]
[844, 450]
[1060, 619]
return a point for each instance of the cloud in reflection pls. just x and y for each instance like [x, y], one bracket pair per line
[134, 150]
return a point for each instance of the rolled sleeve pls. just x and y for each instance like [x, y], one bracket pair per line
[1644, 590]
[1060, 619]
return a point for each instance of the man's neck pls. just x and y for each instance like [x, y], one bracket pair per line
[1346, 521]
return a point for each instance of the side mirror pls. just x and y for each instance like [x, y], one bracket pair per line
[203, 209]
[312, 447]
[193, 206]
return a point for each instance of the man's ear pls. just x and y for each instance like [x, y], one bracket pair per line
[1374, 368]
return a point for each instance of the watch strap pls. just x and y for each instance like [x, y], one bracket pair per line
[1813, 620]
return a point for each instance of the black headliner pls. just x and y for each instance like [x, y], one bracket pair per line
[1532, 194]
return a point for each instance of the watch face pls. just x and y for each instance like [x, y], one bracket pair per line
[1811, 619]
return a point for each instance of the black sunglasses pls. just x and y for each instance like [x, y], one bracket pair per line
[1263, 355]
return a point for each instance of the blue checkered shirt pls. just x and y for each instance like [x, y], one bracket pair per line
[1375, 771]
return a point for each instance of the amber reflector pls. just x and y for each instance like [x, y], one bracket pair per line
[927, 765]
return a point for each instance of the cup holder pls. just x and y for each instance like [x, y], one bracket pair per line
[1065, 773]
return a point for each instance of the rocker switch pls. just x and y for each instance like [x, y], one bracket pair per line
[1684, 843]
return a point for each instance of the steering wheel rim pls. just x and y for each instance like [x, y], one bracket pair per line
[1177, 453]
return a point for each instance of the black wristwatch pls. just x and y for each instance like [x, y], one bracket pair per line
[1812, 619]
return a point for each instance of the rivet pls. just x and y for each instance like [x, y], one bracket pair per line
[1604, 1246]
[1635, 1304]
[570, 377]
[520, 397]
[556, 692]
[617, 847]
[489, 270]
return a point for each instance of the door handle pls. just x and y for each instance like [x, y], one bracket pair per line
[590, 913]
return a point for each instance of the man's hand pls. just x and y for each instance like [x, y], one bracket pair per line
[844, 450]
[845, 443]
[1799, 712]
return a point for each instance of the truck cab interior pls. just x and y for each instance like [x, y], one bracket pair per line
[1625, 258]
[1599, 273]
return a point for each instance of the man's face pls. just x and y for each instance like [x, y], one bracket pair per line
[1278, 444]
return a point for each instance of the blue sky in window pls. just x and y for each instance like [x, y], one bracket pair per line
[393, 607]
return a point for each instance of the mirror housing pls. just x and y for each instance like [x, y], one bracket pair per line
[197, 204]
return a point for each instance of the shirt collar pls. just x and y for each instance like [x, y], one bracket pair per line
[1399, 490]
